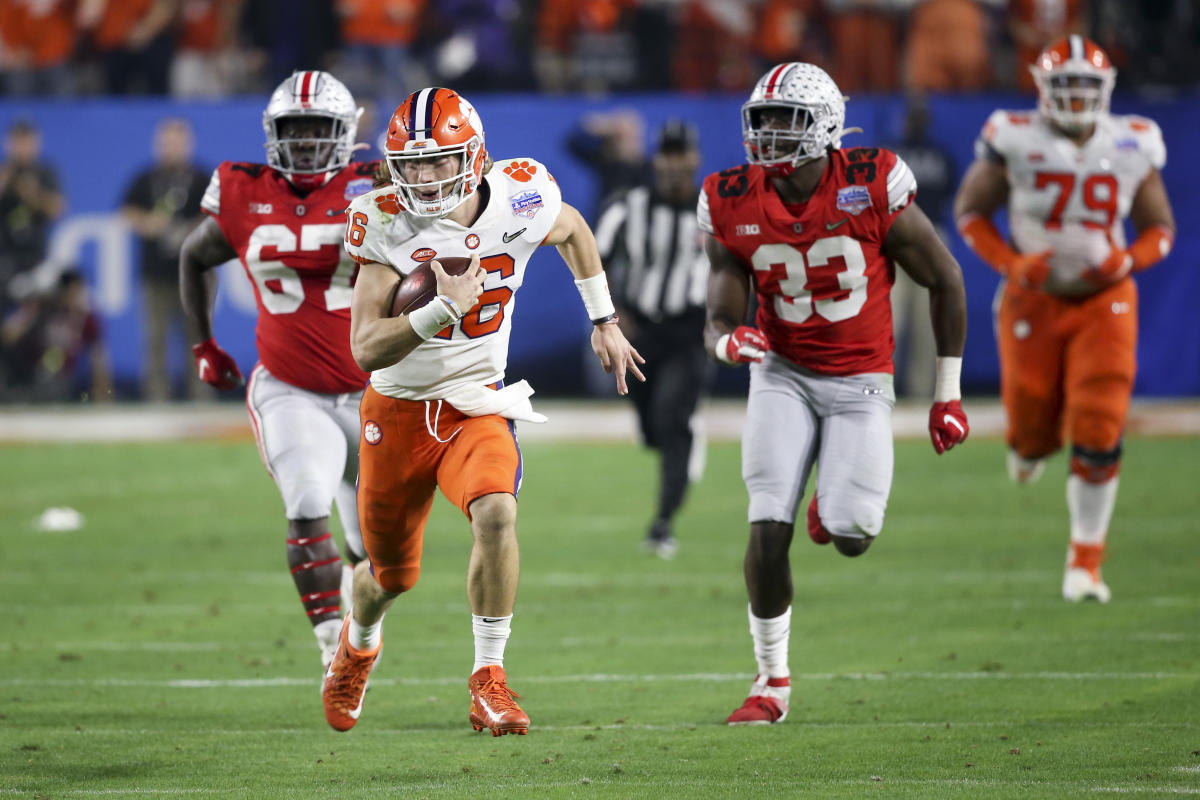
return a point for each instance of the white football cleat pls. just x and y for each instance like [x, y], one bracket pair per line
[1080, 583]
[1024, 471]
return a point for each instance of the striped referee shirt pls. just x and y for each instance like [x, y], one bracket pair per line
[654, 252]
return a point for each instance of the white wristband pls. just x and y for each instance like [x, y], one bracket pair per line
[945, 387]
[721, 350]
[596, 299]
[430, 318]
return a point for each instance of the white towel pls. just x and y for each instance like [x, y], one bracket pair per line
[511, 402]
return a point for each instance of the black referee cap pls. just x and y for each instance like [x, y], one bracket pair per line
[677, 136]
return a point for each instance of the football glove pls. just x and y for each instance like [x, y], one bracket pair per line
[742, 346]
[216, 367]
[947, 425]
[1114, 268]
[1029, 269]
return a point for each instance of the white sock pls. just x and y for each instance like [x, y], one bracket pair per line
[365, 637]
[327, 633]
[1091, 507]
[771, 644]
[491, 635]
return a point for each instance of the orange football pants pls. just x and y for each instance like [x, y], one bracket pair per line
[1066, 367]
[400, 463]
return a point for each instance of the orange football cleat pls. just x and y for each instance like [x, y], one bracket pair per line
[346, 682]
[492, 705]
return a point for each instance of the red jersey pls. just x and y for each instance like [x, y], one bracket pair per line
[822, 278]
[291, 246]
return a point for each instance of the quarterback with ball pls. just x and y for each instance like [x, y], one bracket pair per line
[1066, 321]
[817, 233]
[437, 413]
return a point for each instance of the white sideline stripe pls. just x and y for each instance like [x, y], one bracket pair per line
[254, 683]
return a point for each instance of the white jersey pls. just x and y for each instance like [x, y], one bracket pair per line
[523, 205]
[1068, 199]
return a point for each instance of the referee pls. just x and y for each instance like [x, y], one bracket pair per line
[653, 252]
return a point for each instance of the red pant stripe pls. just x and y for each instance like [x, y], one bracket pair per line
[310, 539]
[308, 598]
[315, 564]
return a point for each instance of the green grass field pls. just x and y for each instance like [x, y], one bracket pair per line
[161, 650]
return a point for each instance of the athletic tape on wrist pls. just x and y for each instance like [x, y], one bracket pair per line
[596, 299]
[945, 387]
[430, 318]
[721, 350]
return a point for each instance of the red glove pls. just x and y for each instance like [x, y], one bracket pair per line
[215, 366]
[1029, 269]
[742, 346]
[947, 425]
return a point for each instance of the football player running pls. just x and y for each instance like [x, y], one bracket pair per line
[1066, 320]
[285, 221]
[437, 413]
[817, 232]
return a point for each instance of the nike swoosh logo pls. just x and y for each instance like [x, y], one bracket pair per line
[831, 225]
[204, 368]
[949, 420]
[489, 619]
[508, 237]
[494, 716]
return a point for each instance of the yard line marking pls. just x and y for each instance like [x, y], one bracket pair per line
[255, 683]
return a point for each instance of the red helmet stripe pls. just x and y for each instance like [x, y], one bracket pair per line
[306, 86]
[774, 80]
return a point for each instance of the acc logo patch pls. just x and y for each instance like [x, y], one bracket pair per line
[357, 186]
[424, 254]
[853, 199]
[472, 241]
[526, 204]
[371, 432]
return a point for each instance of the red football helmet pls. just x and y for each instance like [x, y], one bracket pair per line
[435, 122]
[1075, 80]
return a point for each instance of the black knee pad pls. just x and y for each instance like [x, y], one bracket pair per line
[852, 546]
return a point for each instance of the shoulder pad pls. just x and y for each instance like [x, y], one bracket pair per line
[1001, 132]
[530, 193]
[1147, 136]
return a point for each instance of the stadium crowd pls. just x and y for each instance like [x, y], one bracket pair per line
[213, 48]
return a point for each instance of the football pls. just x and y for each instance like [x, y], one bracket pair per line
[420, 286]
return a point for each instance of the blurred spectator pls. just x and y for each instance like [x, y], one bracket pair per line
[205, 54]
[714, 46]
[612, 144]
[865, 37]
[787, 31]
[30, 201]
[585, 44]
[947, 49]
[1152, 42]
[937, 178]
[477, 47]
[1035, 24]
[47, 339]
[163, 205]
[377, 39]
[133, 39]
[286, 35]
[37, 40]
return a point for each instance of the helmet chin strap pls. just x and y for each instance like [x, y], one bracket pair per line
[308, 181]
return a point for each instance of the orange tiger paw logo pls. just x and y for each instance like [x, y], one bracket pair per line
[521, 171]
[388, 203]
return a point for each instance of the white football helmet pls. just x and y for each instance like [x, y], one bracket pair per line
[311, 95]
[809, 113]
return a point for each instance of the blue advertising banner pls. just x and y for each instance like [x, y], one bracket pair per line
[99, 145]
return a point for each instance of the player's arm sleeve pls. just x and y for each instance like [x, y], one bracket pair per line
[992, 143]
[211, 201]
[901, 186]
[365, 238]
[704, 212]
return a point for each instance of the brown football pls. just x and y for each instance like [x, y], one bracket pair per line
[420, 286]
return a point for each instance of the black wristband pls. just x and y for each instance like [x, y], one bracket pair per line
[605, 320]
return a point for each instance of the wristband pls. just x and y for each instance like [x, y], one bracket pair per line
[609, 320]
[430, 318]
[945, 387]
[596, 299]
[721, 350]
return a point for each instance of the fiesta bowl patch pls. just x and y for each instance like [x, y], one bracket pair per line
[854, 199]
[357, 186]
[526, 204]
